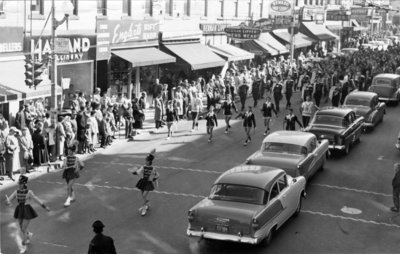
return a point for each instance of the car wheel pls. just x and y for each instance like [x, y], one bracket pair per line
[347, 149]
[298, 209]
[267, 240]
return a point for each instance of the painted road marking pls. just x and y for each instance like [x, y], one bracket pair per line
[54, 244]
[159, 166]
[201, 197]
[382, 158]
[350, 210]
[352, 219]
[351, 189]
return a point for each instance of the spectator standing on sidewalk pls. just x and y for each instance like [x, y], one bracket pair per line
[128, 116]
[60, 138]
[81, 122]
[40, 155]
[196, 106]
[101, 244]
[93, 131]
[159, 111]
[12, 153]
[396, 188]
[26, 150]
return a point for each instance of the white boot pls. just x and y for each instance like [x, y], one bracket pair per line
[23, 249]
[73, 196]
[67, 202]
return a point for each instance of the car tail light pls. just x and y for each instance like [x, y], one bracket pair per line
[191, 215]
[254, 224]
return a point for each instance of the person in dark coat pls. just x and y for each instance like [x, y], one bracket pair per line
[101, 244]
[249, 122]
[396, 188]
[81, 122]
[39, 146]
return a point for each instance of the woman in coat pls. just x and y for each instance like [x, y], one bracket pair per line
[158, 114]
[12, 153]
[39, 146]
[26, 148]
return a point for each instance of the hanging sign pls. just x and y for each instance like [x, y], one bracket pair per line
[280, 7]
[243, 32]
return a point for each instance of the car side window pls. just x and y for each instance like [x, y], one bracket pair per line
[313, 144]
[373, 102]
[282, 182]
[274, 191]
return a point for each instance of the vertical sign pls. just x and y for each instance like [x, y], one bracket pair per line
[103, 49]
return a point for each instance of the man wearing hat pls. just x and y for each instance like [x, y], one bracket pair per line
[396, 188]
[100, 243]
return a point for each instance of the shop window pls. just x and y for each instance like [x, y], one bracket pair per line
[38, 6]
[102, 7]
[126, 7]
[236, 8]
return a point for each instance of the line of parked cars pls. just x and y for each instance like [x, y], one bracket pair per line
[249, 202]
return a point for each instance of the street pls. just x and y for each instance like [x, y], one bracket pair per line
[347, 208]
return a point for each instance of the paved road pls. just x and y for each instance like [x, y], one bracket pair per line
[188, 166]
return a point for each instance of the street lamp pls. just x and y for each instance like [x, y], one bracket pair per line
[67, 8]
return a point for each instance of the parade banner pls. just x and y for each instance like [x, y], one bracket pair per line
[280, 7]
[337, 15]
[360, 14]
[243, 32]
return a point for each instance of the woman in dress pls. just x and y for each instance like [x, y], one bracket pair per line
[228, 106]
[72, 166]
[12, 153]
[171, 115]
[24, 212]
[211, 119]
[149, 176]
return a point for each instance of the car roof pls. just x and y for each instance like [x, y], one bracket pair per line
[361, 94]
[251, 175]
[289, 137]
[387, 75]
[334, 111]
[349, 49]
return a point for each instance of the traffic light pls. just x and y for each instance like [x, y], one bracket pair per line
[33, 72]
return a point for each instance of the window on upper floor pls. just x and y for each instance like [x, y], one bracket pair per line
[297, 2]
[38, 6]
[311, 2]
[76, 7]
[321, 2]
[236, 3]
[305, 2]
[147, 8]
[102, 7]
[221, 4]
[126, 7]
[316, 2]
[168, 7]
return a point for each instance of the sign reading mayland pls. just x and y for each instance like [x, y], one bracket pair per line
[280, 7]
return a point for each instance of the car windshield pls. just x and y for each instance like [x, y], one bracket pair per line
[358, 102]
[383, 82]
[328, 120]
[283, 148]
[238, 193]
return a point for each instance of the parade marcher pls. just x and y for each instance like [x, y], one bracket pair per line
[396, 188]
[72, 165]
[307, 90]
[290, 120]
[24, 212]
[277, 92]
[267, 108]
[149, 177]
[12, 153]
[196, 107]
[212, 122]
[228, 106]
[171, 116]
[306, 110]
[255, 90]
[334, 95]
[288, 90]
[243, 90]
[249, 121]
[101, 244]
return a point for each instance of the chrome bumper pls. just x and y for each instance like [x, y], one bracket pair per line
[388, 99]
[397, 146]
[368, 125]
[337, 147]
[223, 237]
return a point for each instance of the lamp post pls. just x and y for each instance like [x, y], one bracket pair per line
[67, 7]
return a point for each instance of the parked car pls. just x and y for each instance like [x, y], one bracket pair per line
[296, 152]
[398, 142]
[341, 126]
[387, 86]
[367, 105]
[247, 204]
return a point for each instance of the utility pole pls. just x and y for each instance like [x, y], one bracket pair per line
[53, 66]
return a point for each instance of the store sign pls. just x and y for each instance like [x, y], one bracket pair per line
[360, 14]
[103, 47]
[243, 32]
[280, 7]
[337, 15]
[80, 48]
[213, 28]
[11, 39]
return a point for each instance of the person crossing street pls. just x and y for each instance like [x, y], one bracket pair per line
[249, 121]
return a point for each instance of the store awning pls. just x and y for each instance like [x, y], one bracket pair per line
[9, 94]
[197, 55]
[259, 48]
[300, 40]
[317, 32]
[144, 56]
[273, 43]
[231, 53]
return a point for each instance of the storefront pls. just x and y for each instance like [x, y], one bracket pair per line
[135, 57]
[182, 39]
[75, 67]
[325, 38]
[214, 33]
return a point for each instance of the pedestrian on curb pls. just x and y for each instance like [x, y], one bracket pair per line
[101, 244]
[248, 122]
[290, 120]
[212, 122]
[72, 165]
[24, 212]
[267, 108]
[149, 177]
[396, 188]
[227, 106]
[171, 115]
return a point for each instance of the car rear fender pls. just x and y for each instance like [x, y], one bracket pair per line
[268, 218]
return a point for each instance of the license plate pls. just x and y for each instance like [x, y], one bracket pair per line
[222, 228]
